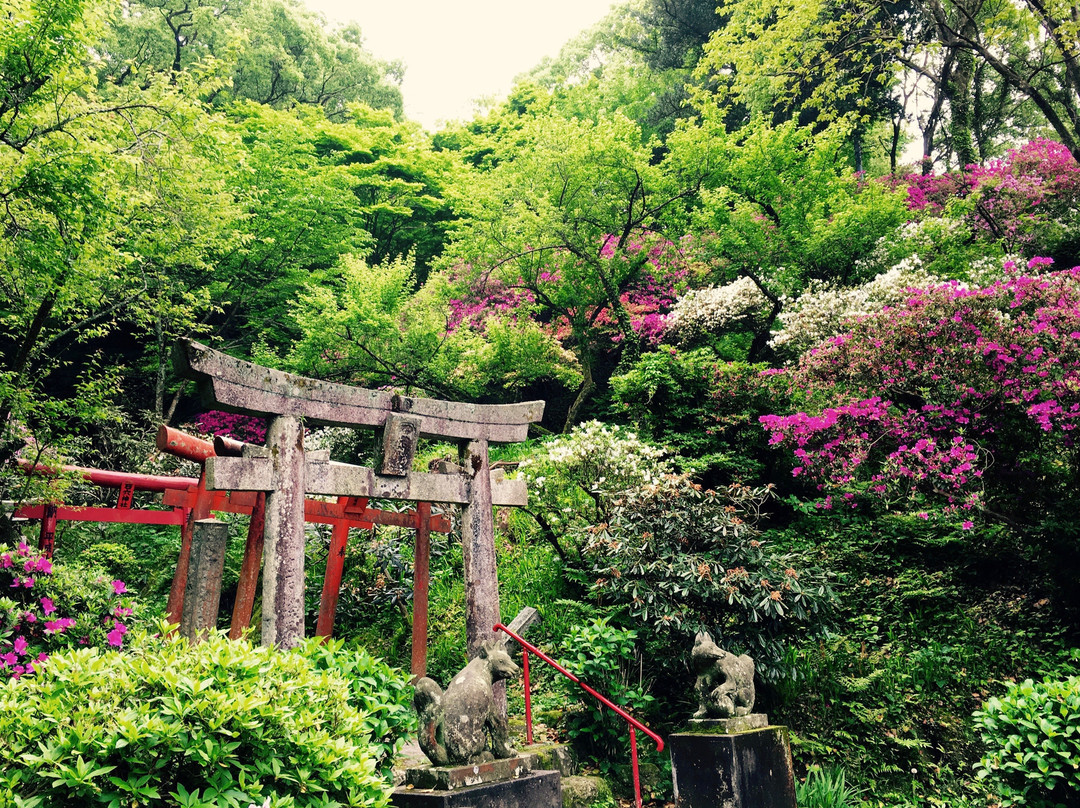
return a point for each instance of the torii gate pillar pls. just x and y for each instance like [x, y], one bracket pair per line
[478, 546]
[283, 548]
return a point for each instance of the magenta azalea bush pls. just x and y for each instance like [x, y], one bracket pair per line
[46, 607]
[1027, 199]
[962, 397]
[247, 428]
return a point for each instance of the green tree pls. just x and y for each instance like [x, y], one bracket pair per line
[570, 213]
[99, 216]
[781, 206]
[274, 52]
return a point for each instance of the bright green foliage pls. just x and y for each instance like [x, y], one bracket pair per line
[705, 409]
[605, 658]
[376, 690]
[1033, 738]
[567, 211]
[683, 559]
[826, 788]
[367, 326]
[783, 202]
[273, 52]
[112, 204]
[220, 723]
[316, 190]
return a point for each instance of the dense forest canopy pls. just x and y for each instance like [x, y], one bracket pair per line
[700, 221]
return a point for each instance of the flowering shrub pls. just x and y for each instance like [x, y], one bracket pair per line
[247, 428]
[548, 289]
[1026, 200]
[683, 559]
[825, 310]
[956, 392]
[220, 723]
[700, 312]
[47, 607]
[569, 478]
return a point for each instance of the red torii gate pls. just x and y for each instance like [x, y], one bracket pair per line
[345, 513]
[189, 500]
[50, 513]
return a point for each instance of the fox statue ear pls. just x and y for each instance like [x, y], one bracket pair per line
[702, 636]
[486, 647]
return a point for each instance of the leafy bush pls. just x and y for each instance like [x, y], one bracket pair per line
[169, 724]
[1032, 734]
[962, 396]
[705, 410]
[826, 788]
[377, 690]
[48, 607]
[569, 477]
[604, 657]
[686, 559]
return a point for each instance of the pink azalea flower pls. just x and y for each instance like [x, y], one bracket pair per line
[115, 637]
[967, 525]
[44, 565]
[20, 645]
[5, 560]
[47, 606]
[119, 587]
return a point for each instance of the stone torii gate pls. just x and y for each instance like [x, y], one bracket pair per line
[286, 475]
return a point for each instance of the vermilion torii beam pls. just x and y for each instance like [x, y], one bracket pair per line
[52, 512]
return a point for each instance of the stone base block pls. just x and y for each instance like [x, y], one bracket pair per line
[536, 790]
[729, 726]
[448, 778]
[552, 757]
[750, 769]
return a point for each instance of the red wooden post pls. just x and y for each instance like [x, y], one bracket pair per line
[47, 540]
[335, 564]
[249, 570]
[421, 578]
[201, 510]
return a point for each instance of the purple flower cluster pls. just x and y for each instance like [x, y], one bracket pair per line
[931, 393]
[246, 428]
[32, 628]
[1018, 194]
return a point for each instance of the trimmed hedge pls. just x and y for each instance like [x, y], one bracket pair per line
[167, 724]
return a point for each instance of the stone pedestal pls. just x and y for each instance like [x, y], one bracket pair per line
[750, 768]
[534, 790]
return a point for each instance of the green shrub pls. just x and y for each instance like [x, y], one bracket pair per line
[168, 724]
[1032, 734]
[826, 788]
[705, 410]
[377, 690]
[605, 658]
[683, 559]
[46, 607]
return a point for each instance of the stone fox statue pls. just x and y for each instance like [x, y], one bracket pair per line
[456, 723]
[725, 682]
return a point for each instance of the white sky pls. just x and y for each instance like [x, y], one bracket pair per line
[458, 51]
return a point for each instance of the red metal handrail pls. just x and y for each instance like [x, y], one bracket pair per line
[632, 723]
